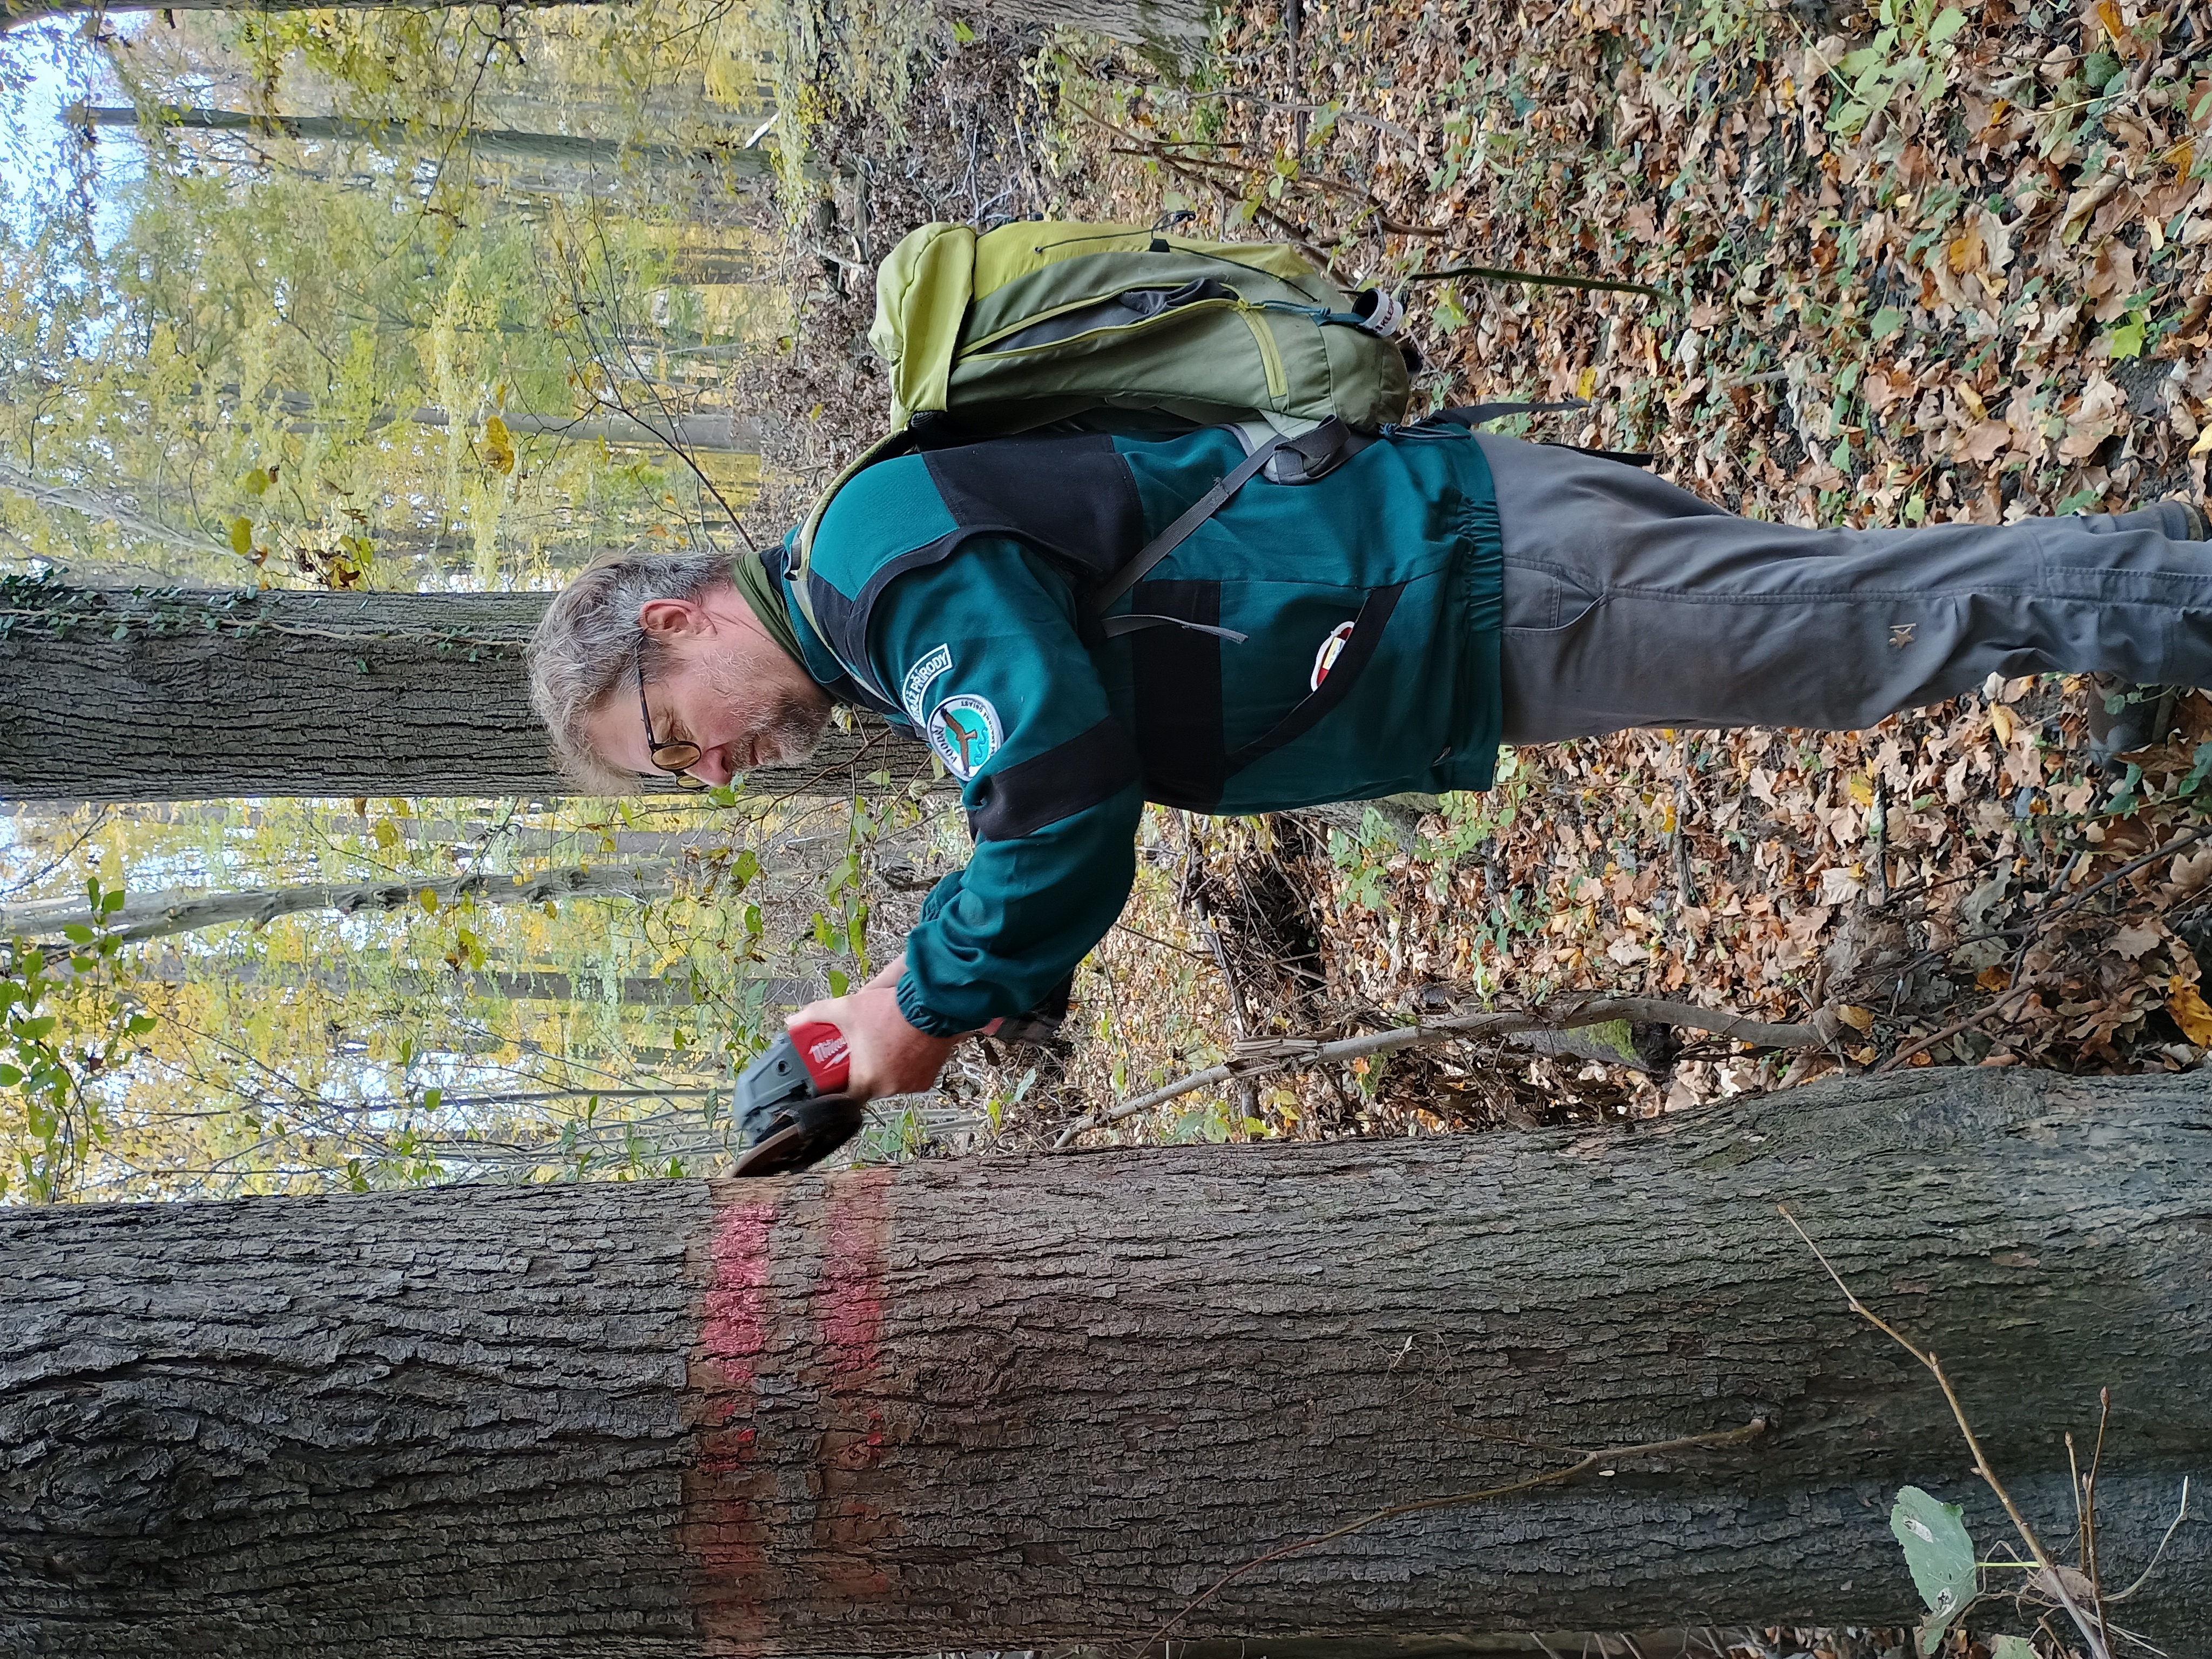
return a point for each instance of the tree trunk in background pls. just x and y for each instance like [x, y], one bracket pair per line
[1015, 1403]
[396, 138]
[194, 695]
[341, 977]
[157, 915]
[1178, 27]
[124, 512]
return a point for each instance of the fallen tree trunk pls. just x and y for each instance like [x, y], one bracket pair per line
[1013, 1403]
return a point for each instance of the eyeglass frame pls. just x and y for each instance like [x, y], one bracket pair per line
[654, 747]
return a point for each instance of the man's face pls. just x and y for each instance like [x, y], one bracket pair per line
[724, 685]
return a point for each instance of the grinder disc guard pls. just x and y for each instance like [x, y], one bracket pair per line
[800, 1132]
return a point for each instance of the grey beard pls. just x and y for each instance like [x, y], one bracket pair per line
[793, 727]
[790, 727]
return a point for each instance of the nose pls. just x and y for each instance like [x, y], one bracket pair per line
[713, 766]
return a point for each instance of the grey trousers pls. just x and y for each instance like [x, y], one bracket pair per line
[1628, 602]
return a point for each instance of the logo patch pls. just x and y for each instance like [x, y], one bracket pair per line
[914, 688]
[964, 731]
[1332, 647]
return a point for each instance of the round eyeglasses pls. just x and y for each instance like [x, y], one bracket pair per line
[671, 757]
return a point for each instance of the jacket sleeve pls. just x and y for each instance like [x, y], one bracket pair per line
[982, 651]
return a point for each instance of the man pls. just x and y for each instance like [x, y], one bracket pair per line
[1381, 628]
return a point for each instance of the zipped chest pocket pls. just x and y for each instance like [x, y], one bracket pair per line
[1184, 679]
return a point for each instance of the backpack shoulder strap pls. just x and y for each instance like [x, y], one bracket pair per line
[1180, 531]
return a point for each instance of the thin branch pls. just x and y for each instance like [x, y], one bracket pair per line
[1541, 278]
[1953, 1029]
[1590, 1460]
[1935, 1368]
[1294, 1053]
[2158, 1554]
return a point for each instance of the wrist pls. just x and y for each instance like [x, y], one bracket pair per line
[918, 1014]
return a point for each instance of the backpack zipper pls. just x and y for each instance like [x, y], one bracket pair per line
[1271, 359]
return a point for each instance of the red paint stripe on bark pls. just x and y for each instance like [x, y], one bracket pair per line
[725, 1490]
[852, 1520]
[733, 1322]
[852, 1294]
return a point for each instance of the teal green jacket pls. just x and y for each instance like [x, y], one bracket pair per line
[1330, 641]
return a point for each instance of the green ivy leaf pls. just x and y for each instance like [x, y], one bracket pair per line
[2125, 340]
[1887, 321]
[2011, 1647]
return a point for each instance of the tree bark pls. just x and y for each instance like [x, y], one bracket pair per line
[181, 696]
[158, 915]
[1015, 1403]
[396, 138]
[1176, 28]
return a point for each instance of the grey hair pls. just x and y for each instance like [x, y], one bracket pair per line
[589, 638]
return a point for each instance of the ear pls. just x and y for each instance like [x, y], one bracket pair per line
[668, 620]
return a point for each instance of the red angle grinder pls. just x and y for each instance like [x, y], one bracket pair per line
[792, 1104]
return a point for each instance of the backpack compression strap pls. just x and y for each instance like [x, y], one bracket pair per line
[1180, 531]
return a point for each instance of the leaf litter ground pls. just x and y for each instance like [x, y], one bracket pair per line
[1921, 267]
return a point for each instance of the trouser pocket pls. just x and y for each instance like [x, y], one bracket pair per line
[1542, 599]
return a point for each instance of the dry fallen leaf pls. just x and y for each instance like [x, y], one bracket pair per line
[2001, 722]
[2131, 942]
[2190, 1011]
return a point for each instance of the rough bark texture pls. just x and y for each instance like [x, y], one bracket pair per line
[198, 695]
[1008, 1404]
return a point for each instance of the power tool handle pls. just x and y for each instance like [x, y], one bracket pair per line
[825, 1054]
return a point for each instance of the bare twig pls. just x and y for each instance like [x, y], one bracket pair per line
[2158, 1554]
[1306, 1054]
[1953, 1028]
[2083, 1622]
[1541, 278]
[1590, 1460]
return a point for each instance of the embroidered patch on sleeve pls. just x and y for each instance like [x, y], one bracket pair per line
[914, 689]
[964, 731]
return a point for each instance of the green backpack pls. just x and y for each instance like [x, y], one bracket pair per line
[989, 335]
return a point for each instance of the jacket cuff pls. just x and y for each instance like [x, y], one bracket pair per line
[918, 1013]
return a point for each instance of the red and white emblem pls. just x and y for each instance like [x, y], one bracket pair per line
[1332, 647]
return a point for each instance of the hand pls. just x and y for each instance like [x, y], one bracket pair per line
[889, 1056]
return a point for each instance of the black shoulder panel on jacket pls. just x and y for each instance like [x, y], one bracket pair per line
[1177, 674]
[1070, 494]
[1060, 782]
